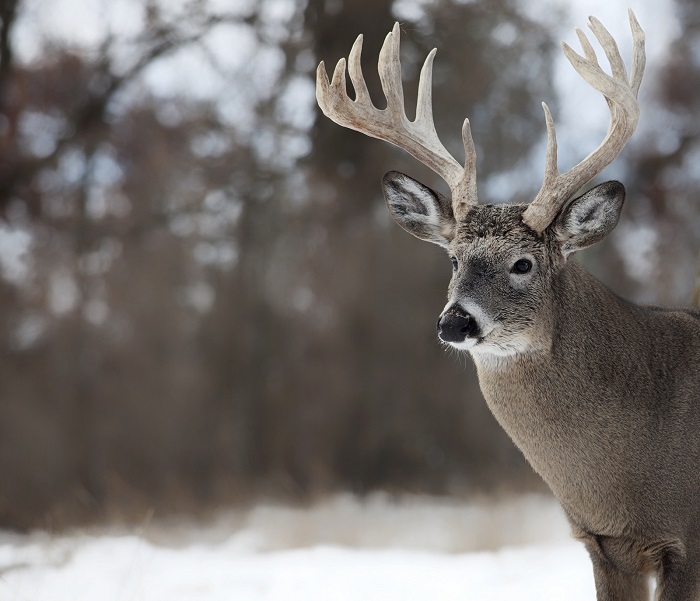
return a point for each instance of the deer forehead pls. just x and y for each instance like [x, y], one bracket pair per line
[500, 227]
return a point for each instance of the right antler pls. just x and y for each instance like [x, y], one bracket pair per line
[391, 125]
[621, 96]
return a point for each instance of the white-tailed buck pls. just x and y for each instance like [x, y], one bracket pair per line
[601, 395]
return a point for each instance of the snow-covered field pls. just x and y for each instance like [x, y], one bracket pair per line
[341, 549]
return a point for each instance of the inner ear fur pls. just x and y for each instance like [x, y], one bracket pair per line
[590, 217]
[418, 209]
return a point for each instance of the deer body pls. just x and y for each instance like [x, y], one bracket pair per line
[602, 396]
[601, 423]
[614, 430]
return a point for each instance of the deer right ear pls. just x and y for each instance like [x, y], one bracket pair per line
[419, 210]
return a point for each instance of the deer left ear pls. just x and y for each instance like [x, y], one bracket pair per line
[590, 217]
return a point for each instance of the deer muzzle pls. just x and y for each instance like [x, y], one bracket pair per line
[456, 325]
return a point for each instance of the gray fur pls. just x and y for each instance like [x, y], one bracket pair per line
[602, 396]
[418, 209]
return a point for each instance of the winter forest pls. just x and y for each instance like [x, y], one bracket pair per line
[203, 300]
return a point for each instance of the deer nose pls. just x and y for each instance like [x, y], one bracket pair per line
[455, 325]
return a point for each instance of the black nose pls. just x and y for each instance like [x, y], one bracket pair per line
[455, 325]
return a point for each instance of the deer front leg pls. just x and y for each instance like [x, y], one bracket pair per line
[616, 577]
[679, 576]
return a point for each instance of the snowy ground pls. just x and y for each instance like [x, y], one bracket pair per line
[342, 549]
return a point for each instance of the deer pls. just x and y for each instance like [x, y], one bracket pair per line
[601, 395]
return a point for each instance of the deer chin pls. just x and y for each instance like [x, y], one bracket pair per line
[499, 348]
[466, 345]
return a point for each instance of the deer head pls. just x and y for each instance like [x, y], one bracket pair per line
[505, 258]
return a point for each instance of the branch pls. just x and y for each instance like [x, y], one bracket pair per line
[92, 112]
[8, 15]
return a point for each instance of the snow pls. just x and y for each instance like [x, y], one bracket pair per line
[341, 549]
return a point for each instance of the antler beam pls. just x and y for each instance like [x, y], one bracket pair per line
[621, 95]
[417, 137]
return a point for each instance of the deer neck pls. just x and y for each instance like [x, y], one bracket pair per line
[582, 361]
[579, 373]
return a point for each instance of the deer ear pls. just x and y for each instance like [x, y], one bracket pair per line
[590, 217]
[419, 210]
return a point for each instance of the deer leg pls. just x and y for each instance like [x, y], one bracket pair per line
[679, 577]
[615, 580]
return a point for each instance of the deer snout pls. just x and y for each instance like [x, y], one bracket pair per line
[456, 325]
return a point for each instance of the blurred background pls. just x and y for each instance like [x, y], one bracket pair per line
[203, 301]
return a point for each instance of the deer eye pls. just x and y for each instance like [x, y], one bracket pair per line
[522, 266]
[455, 264]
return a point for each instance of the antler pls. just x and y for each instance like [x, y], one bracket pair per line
[391, 124]
[621, 96]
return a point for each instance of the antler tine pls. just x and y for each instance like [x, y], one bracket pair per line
[355, 69]
[620, 92]
[610, 48]
[424, 104]
[417, 137]
[638, 54]
[390, 73]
